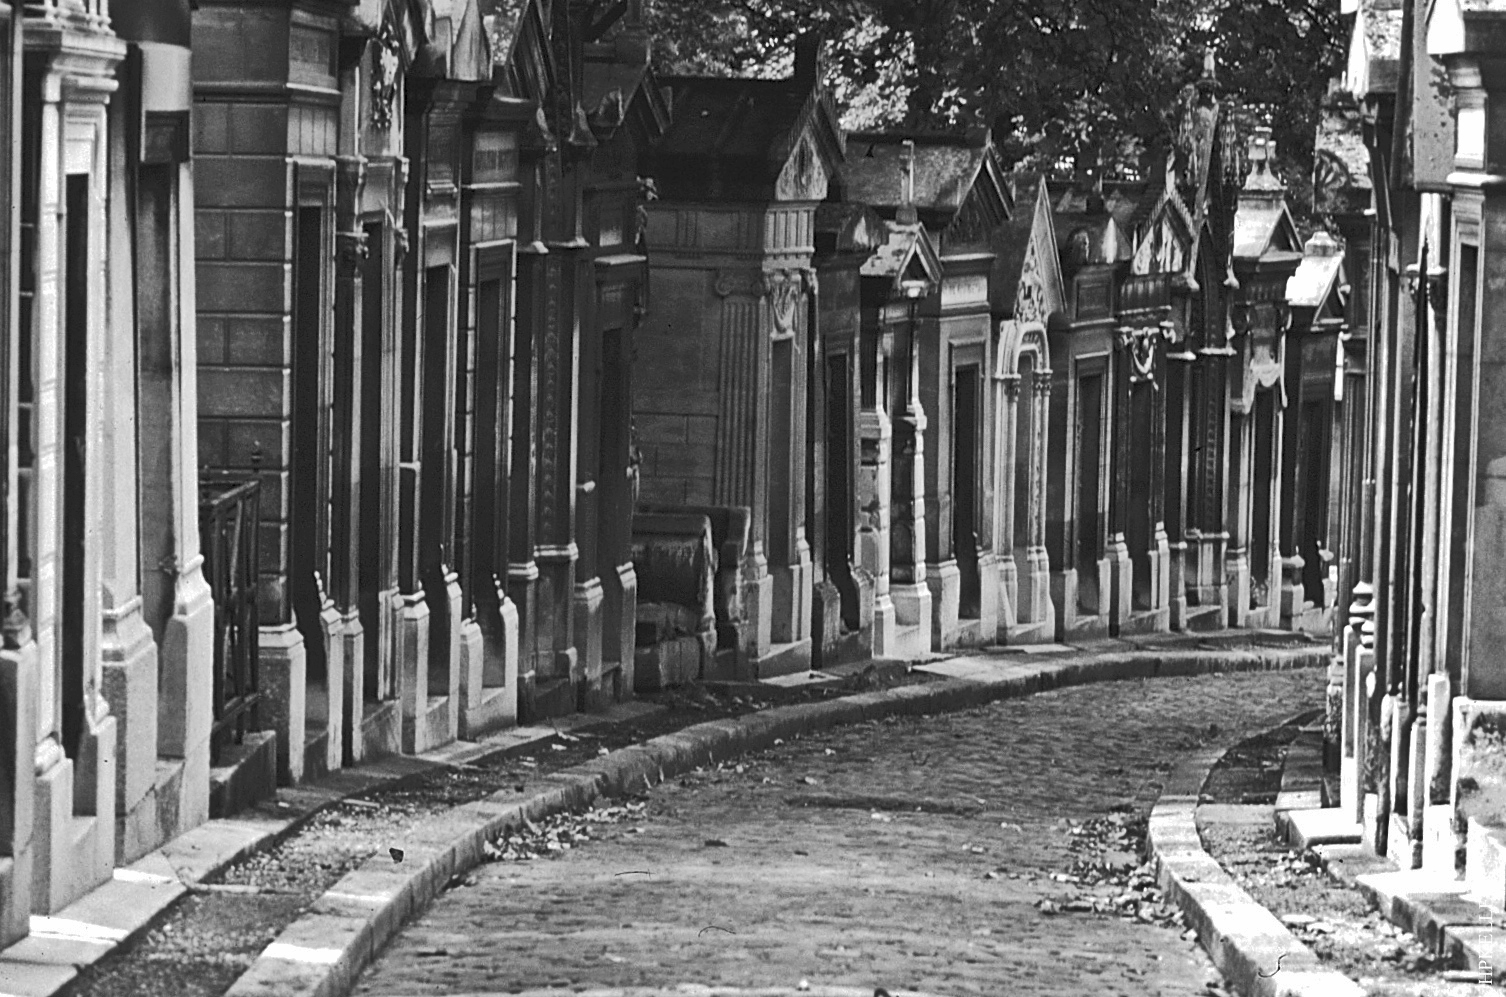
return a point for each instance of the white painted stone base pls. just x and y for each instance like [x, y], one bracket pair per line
[282, 672]
[353, 695]
[885, 627]
[589, 598]
[331, 625]
[989, 597]
[624, 604]
[129, 683]
[75, 852]
[18, 710]
[1440, 842]
[412, 672]
[472, 674]
[944, 582]
[793, 601]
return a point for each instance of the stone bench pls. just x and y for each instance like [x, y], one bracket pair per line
[732, 535]
[675, 628]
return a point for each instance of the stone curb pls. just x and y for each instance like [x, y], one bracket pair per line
[1254, 951]
[61, 947]
[322, 953]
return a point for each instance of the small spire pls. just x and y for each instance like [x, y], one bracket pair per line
[907, 213]
[1210, 64]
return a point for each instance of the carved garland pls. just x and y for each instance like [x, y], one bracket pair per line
[1139, 344]
[387, 60]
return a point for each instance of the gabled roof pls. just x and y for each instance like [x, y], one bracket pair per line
[1085, 231]
[612, 83]
[844, 227]
[946, 166]
[1262, 222]
[1029, 231]
[732, 137]
[907, 253]
[1319, 275]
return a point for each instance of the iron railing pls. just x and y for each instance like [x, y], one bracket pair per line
[229, 513]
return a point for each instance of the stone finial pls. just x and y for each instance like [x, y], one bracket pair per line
[907, 214]
[1321, 243]
[1260, 153]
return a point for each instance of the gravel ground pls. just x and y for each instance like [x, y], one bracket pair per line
[1336, 922]
[208, 939]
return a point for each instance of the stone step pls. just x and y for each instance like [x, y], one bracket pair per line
[785, 659]
[1205, 618]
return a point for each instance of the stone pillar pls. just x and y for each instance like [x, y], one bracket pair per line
[1007, 401]
[742, 401]
[875, 437]
[907, 565]
[1037, 576]
[70, 77]
[788, 550]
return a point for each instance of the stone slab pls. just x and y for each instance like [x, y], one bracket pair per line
[1308, 828]
[1246, 942]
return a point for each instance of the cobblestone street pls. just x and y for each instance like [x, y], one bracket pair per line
[913, 854]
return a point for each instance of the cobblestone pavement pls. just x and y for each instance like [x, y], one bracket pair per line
[910, 854]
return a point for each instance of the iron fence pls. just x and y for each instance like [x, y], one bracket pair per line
[229, 513]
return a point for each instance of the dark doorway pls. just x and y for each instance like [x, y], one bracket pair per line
[965, 489]
[371, 565]
[307, 552]
[1260, 500]
[76, 405]
[613, 503]
[1089, 484]
[1465, 480]
[433, 501]
[493, 412]
[155, 327]
[1139, 511]
[1019, 498]
[1311, 494]
[781, 498]
[839, 493]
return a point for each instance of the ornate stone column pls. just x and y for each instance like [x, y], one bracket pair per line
[742, 399]
[908, 588]
[874, 484]
[1037, 576]
[71, 57]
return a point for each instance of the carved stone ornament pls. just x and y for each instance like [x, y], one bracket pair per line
[801, 179]
[386, 64]
[1030, 300]
[729, 282]
[784, 297]
[1139, 345]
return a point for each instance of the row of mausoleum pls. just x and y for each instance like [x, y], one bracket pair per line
[382, 373]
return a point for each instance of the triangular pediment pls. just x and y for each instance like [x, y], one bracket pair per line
[812, 154]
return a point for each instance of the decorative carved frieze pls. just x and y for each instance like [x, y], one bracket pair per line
[1139, 346]
[784, 299]
[386, 58]
[802, 178]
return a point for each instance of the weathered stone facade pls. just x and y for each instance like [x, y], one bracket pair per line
[1416, 719]
[497, 378]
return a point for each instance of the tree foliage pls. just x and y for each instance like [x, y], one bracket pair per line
[1081, 86]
